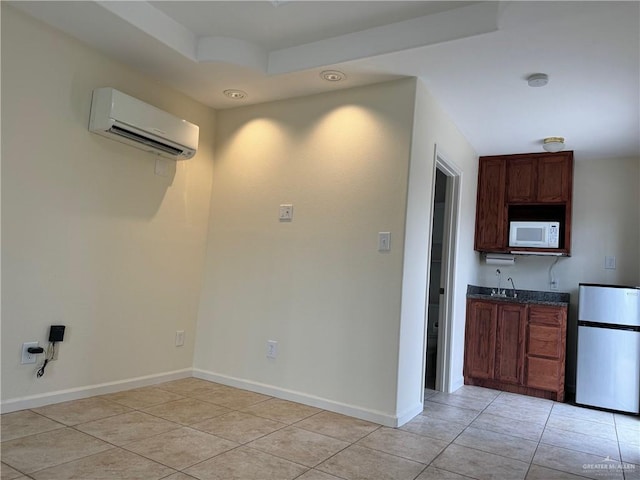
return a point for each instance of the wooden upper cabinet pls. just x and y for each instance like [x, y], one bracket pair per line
[554, 179]
[523, 187]
[522, 175]
[540, 179]
[490, 208]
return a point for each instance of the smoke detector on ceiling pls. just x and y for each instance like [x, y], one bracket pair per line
[538, 80]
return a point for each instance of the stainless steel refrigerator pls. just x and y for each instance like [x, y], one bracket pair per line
[608, 374]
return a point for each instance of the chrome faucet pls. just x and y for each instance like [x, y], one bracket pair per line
[499, 293]
[513, 287]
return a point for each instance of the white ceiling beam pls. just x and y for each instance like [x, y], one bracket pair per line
[156, 24]
[417, 32]
[234, 51]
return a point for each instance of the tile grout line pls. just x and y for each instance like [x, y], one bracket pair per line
[476, 417]
[496, 400]
[454, 439]
[70, 427]
[480, 413]
[342, 450]
[539, 442]
[178, 426]
[239, 444]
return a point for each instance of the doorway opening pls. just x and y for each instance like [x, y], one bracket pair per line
[441, 291]
[435, 288]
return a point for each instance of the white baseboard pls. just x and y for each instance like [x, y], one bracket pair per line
[40, 400]
[409, 414]
[456, 384]
[375, 416]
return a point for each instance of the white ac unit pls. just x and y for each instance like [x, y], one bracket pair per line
[126, 119]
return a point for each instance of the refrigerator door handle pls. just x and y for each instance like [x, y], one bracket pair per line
[608, 326]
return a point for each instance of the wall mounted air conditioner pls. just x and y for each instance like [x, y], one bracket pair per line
[126, 119]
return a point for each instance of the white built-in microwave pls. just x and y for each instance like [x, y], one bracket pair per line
[534, 234]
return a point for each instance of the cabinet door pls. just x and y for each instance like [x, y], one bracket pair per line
[554, 183]
[521, 180]
[511, 323]
[480, 339]
[490, 207]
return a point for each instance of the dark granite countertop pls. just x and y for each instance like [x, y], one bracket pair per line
[522, 296]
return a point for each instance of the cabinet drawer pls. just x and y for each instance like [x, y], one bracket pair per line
[544, 341]
[543, 373]
[549, 315]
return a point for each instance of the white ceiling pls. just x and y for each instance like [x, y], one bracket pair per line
[474, 58]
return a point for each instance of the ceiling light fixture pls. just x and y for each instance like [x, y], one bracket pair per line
[235, 94]
[553, 144]
[538, 80]
[333, 75]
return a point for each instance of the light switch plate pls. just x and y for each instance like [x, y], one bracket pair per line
[179, 338]
[272, 349]
[384, 241]
[286, 212]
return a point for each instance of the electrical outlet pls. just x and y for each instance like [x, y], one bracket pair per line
[272, 349]
[26, 356]
[610, 262]
[553, 284]
[179, 338]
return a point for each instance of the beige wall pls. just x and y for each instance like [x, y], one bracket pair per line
[91, 238]
[316, 285]
[349, 320]
[433, 130]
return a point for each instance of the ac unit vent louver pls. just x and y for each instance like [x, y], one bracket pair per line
[116, 130]
[128, 120]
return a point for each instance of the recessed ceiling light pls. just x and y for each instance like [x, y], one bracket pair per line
[538, 80]
[235, 94]
[333, 75]
[553, 144]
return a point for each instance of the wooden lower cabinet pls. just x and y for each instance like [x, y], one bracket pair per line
[481, 339]
[546, 347]
[510, 332]
[516, 347]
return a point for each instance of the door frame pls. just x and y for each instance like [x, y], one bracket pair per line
[448, 273]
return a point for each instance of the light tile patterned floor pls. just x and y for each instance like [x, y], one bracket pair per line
[194, 429]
